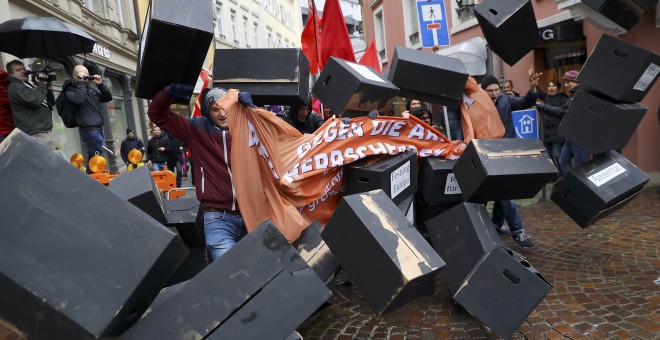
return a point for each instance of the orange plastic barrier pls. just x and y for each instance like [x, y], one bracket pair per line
[103, 177]
[165, 179]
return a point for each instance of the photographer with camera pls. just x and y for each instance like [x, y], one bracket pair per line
[87, 93]
[31, 105]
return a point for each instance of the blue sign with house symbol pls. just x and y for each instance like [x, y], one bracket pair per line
[526, 123]
[433, 27]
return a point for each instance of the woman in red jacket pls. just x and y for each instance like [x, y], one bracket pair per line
[6, 118]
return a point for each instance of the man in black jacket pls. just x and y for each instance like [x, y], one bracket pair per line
[131, 142]
[158, 150]
[88, 92]
[301, 118]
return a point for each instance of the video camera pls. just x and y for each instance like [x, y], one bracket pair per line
[35, 75]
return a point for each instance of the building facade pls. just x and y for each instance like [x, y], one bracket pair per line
[113, 23]
[569, 31]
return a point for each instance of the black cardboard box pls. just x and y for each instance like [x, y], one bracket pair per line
[625, 13]
[175, 39]
[76, 260]
[631, 70]
[436, 181]
[417, 72]
[271, 75]
[610, 125]
[461, 236]
[315, 252]
[598, 188]
[396, 175]
[387, 258]
[346, 86]
[260, 289]
[182, 213]
[509, 27]
[503, 169]
[138, 187]
[502, 290]
[407, 207]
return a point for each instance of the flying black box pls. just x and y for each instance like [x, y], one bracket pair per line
[138, 187]
[610, 124]
[271, 75]
[631, 70]
[502, 290]
[315, 252]
[598, 188]
[175, 39]
[417, 73]
[625, 13]
[503, 169]
[461, 236]
[395, 175]
[387, 258]
[351, 89]
[509, 27]
[182, 213]
[436, 181]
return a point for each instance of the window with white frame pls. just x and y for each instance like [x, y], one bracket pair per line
[219, 14]
[269, 39]
[411, 23]
[462, 14]
[379, 27]
[234, 33]
[246, 32]
[256, 34]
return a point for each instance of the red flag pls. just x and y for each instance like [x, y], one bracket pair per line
[202, 84]
[370, 58]
[310, 40]
[334, 30]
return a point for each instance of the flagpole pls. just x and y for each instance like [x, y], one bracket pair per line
[316, 39]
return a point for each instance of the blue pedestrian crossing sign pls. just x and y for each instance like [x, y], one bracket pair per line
[433, 23]
[526, 123]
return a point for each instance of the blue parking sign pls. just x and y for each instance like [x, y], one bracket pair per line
[433, 23]
[526, 123]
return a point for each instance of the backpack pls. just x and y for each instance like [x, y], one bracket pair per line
[66, 109]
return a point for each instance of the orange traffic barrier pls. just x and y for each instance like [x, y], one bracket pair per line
[165, 180]
[103, 177]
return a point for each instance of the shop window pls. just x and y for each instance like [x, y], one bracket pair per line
[116, 112]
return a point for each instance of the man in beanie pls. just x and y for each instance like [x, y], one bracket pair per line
[571, 154]
[507, 210]
[131, 142]
[209, 140]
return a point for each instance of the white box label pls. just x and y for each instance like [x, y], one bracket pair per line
[451, 187]
[647, 77]
[607, 174]
[400, 179]
[365, 72]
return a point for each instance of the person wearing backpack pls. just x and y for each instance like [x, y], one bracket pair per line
[87, 93]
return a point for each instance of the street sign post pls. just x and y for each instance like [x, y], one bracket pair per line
[433, 23]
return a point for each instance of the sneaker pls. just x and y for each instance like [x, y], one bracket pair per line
[502, 231]
[523, 240]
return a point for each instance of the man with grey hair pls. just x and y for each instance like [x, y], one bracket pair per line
[209, 141]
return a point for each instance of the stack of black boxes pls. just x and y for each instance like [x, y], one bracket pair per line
[602, 116]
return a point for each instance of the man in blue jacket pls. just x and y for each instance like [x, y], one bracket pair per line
[506, 210]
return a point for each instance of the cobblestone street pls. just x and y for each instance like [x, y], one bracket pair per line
[603, 279]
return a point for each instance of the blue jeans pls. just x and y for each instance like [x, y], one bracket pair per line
[93, 141]
[554, 151]
[222, 231]
[568, 152]
[158, 166]
[506, 210]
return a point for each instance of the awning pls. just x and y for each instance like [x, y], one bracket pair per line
[471, 52]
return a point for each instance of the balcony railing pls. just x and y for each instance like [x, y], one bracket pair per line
[236, 42]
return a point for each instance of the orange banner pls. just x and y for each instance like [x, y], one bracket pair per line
[292, 179]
